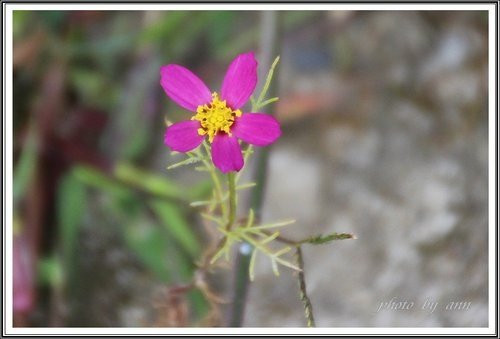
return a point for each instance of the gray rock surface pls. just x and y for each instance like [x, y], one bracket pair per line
[401, 161]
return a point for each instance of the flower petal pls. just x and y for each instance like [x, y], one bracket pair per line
[184, 87]
[183, 136]
[240, 80]
[258, 129]
[226, 153]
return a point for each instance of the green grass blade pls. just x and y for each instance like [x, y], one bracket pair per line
[175, 222]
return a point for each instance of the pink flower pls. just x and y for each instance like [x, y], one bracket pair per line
[218, 117]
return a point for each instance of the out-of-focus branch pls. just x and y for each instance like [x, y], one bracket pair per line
[302, 287]
[269, 49]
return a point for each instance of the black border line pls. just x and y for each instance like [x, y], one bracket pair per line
[496, 164]
[279, 2]
[4, 114]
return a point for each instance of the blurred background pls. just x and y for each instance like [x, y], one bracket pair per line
[385, 135]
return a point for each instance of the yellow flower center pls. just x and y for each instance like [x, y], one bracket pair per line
[215, 117]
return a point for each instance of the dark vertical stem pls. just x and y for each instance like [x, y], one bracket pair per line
[261, 157]
[269, 50]
[302, 287]
[240, 285]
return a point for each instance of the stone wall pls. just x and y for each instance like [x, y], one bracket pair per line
[397, 153]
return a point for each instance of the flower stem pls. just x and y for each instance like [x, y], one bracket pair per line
[231, 182]
[215, 179]
[302, 287]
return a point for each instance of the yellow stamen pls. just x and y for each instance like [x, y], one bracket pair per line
[215, 117]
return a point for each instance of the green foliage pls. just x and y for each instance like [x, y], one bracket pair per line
[296, 18]
[50, 271]
[150, 246]
[200, 305]
[257, 236]
[52, 19]
[135, 98]
[71, 204]
[97, 179]
[165, 27]
[200, 190]
[323, 239]
[188, 161]
[152, 183]
[90, 85]
[223, 26]
[25, 168]
[176, 224]
[20, 21]
[174, 31]
[257, 105]
[165, 242]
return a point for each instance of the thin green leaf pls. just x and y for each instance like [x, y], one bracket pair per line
[251, 217]
[323, 239]
[219, 253]
[188, 161]
[23, 171]
[269, 101]
[264, 250]
[270, 238]
[252, 101]
[244, 186]
[251, 267]
[201, 169]
[287, 264]
[99, 180]
[71, 201]
[248, 151]
[200, 203]
[153, 183]
[213, 218]
[268, 82]
[150, 246]
[275, 266]
[282, 251]
[176, 224]
[273, 225]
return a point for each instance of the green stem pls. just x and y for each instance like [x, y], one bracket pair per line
[231, 182]
[216, 181]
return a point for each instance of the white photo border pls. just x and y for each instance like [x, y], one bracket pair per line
[7, 166]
